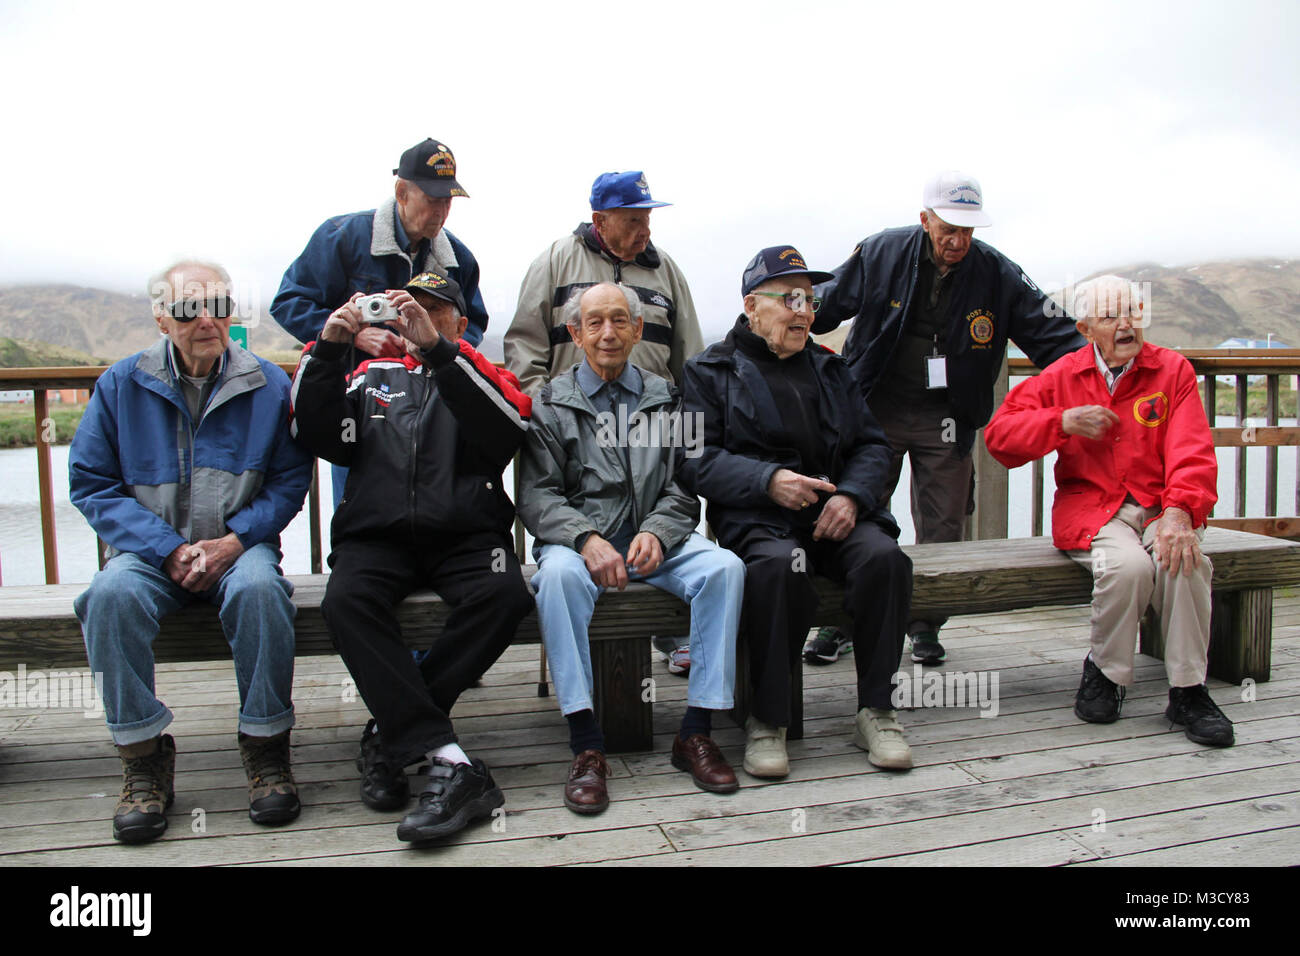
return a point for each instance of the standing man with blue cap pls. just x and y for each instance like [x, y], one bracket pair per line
[934, 309]
[614, 247]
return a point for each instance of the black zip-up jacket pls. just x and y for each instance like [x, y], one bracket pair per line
[991, 300]
[425, 442]
[726, 388]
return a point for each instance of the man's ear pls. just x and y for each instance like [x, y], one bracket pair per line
[461, 325]
[640, 327]
[576, 336]
[748, 305]
[1083, 328]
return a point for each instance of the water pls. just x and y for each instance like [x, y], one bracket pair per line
[22, 561]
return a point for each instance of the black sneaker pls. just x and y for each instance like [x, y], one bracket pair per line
[1195, 711]
[382, 787]
[454, 795]
[1099, 698]
[926, 648]
[827, 646]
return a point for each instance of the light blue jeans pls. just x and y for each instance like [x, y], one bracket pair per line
[119, 615]
[709, 578]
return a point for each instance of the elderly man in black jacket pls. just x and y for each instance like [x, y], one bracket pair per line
[794, 469]
[934, 310]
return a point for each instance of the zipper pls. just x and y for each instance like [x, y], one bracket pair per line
[415, 441]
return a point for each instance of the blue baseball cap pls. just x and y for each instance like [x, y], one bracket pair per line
[622, 191]
[776, 261]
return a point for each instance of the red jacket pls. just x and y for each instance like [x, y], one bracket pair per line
[1160, 451]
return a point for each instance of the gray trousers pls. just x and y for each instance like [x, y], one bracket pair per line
[1126, 581]
[941, 476]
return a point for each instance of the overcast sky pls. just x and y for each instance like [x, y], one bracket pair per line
[1102, 133]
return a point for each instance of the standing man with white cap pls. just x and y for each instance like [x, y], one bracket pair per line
[933, 310]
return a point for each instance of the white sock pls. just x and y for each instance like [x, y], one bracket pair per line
[450, 753]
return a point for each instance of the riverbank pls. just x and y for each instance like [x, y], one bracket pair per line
[18, 423]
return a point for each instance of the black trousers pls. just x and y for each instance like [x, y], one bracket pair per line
[781, 605]
[479, 578]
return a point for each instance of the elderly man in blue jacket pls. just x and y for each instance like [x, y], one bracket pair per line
[934, 310]
[184, 465]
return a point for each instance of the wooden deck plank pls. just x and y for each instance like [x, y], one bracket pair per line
[1018, 788]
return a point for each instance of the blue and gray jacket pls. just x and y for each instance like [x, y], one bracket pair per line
[149, 478]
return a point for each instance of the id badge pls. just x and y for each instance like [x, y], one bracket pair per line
[936, 371]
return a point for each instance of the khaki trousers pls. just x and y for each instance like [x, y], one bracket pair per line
[1126, 580]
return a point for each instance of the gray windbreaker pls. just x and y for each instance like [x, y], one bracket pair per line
[573, 476]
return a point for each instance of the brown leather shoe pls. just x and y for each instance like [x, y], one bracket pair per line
[585, 790]
[699, 756]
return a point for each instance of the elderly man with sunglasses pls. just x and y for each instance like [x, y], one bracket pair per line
[794, 469]
[183, 464]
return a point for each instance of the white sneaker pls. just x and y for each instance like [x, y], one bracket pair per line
[765, 754]
[881, 735]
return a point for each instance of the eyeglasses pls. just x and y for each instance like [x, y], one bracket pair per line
[187, 310]
[795, 301]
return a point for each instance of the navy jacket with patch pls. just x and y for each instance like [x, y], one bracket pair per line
[991, 300]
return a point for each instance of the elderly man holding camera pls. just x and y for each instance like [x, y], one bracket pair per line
[184, 466]
[426, 437]
[601, 498]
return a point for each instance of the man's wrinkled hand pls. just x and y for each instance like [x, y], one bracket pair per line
[380, 342]
[1175, 542]
[789, 489]
[210, 559]
[344, 322]
[1088, 421]
[837, 519]
[646, 554]
[604, 563]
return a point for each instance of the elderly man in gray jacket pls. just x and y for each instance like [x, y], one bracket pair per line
[601, 499]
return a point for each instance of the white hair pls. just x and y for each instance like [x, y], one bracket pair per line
[160, 288]
[572, 308]
[1105, 291]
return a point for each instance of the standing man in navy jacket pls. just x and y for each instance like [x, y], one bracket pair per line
[934, 310]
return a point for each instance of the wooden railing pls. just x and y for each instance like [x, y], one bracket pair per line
[990, 518]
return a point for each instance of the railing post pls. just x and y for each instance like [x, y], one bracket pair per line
[1270, 453]
[1241, 452]
[313, 518]
[991, 481]
[46, 484]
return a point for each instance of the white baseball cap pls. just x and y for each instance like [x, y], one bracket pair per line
[956, 199]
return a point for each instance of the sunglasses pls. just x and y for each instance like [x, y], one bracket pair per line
[187, 310]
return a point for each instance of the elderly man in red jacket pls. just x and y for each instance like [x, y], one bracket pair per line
[1135, 480]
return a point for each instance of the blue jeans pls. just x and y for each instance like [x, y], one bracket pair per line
[709, 578]
[119, 615]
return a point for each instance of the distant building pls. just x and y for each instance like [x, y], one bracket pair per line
[1288, 381]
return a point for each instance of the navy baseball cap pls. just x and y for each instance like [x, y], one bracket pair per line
[439, 285]
[622, 191]
[776, 261]
[432, 167]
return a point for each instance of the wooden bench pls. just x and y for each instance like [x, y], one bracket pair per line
[38, 628]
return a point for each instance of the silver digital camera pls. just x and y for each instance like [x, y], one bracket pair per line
[376, 309]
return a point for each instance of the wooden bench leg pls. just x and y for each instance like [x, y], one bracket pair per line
[1241, 635]
[622, 693]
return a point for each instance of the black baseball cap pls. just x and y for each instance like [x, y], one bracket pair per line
[440, 286]
[432, 167]
[775, 261]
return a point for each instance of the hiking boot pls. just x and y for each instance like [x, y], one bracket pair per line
[926, 649]
[1099, 698]
[827, 646]
[272, 794]
[383, 787]
[1195, 711]
[879, 733]
[148, 770]
[454, 795]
